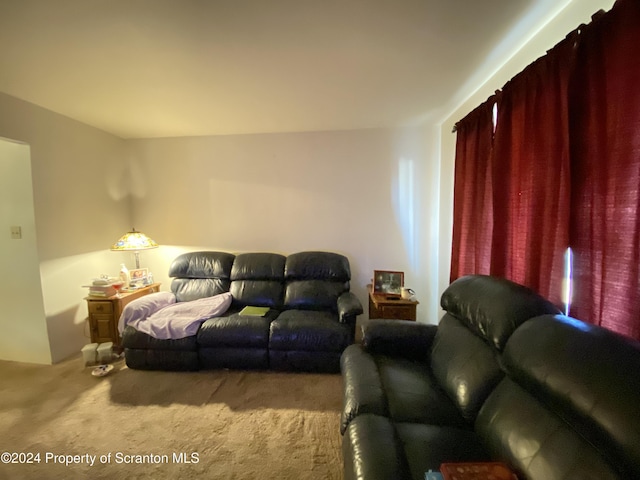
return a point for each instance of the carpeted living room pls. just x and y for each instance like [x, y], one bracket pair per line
[276, 129]
[208, 424]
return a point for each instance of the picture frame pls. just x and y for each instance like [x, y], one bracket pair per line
[139, 275]
[388, 282]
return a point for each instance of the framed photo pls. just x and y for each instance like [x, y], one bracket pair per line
[139, 275]
[388, 283]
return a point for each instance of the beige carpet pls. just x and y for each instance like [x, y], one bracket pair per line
[234, 424]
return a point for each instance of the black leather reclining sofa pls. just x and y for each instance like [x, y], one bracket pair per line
[311, 317]
[503, 377]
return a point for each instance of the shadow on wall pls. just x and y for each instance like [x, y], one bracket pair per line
[68, 324]
[64, 305]
[126, 179]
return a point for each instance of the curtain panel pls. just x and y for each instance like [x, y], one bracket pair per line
[472, 197]
[564, 170]
[605, 165]
[530, 174]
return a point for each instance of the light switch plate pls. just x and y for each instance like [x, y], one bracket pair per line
[16, 232]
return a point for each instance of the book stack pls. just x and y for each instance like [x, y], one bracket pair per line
[101, 290]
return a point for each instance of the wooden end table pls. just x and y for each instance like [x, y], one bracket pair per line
[104, 313]
[384, 306]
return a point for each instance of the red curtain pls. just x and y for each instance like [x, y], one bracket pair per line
[564, 169]
[605, 152]
[472, 202]
[530, 171]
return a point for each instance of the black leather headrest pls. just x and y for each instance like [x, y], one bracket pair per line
[493, 307]
[202, 265]
[258, 266]
[317, 266]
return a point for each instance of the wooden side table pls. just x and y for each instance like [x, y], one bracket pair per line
[104, 313]
[382, 306]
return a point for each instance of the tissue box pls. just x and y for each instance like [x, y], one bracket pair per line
[89, 353]
[105, 352]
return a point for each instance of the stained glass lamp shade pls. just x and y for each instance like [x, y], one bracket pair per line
[134, 241]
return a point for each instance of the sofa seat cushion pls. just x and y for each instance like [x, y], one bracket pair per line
[426, 447]
[236, 331]
[376, 447]
[413, 394]
[134, 339]
[309, 331]
[394, 387]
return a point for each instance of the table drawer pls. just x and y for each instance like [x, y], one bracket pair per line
[101, 308]
[398, 312]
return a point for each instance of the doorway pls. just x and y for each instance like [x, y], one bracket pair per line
[23, 321]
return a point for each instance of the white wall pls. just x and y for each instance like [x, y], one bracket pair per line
[576, 13]
[24, 329]
[368, 194]
[82, 205]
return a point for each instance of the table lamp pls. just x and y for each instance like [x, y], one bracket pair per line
[134, 241]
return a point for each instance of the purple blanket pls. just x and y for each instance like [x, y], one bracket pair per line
[182, 319]
[143, 307]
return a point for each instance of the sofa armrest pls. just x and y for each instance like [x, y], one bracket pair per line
[362, 390]
[349, 307]
[372, 449]
[398, 338]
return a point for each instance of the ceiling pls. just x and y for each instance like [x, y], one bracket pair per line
[165, 68]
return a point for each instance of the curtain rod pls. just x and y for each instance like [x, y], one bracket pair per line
[595, 17]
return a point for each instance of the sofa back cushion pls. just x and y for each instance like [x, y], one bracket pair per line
[569, 406]
[257, 279]
[493, 307]
[466, 367]
[200, 274]
[315, 280]
[481, 313]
